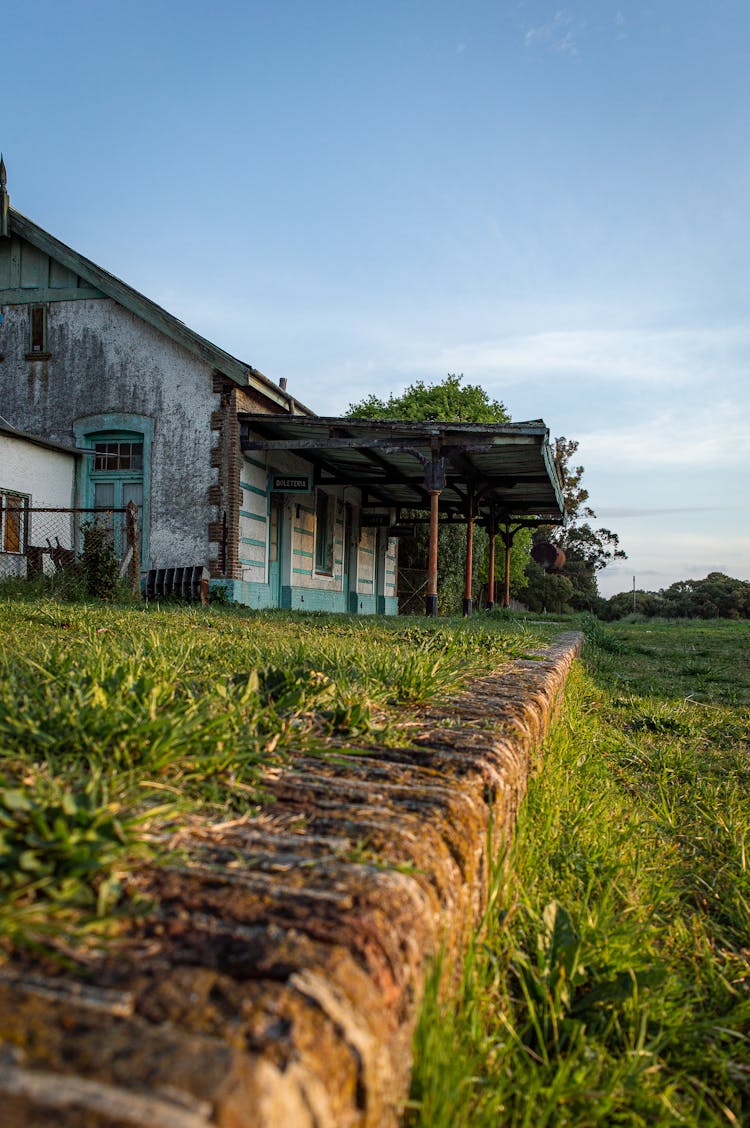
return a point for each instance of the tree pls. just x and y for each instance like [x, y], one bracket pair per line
[450, 401]
[587, 550]
[717, 596]
[543, 592]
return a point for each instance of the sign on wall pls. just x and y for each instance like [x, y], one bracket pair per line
[376, 520]
[291, 483]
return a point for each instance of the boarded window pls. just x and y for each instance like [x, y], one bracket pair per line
[13, 514]
[38, 329]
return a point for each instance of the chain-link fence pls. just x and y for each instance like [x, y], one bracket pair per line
[36, 542]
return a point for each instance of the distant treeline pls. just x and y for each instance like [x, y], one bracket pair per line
[716, 597]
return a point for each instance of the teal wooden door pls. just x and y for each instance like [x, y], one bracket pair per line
[115, 495]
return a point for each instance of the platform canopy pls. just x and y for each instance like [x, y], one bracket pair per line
[504, 470]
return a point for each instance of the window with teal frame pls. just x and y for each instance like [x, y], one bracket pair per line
[118, 470]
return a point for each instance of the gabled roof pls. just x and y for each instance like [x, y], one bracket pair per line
[101, 280]
[509, 467]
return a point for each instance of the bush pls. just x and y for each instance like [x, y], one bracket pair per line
[100, 568]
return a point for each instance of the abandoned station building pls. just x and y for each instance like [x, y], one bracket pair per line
[230, 473]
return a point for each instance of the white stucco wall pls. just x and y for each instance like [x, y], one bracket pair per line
[47, 477]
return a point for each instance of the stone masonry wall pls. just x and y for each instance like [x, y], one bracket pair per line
[277, 983]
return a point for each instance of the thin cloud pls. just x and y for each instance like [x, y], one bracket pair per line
[554, 35]
[717, 437]
[622, 512]
[665, 358]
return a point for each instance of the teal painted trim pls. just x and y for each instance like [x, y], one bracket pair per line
[368, 551]
[86, 431]
[247, 592]
[306, 509]
[48, 294]
[255, 462]
[390, 571]
[369, 582]
[338, 540]
[254, 489]
[253, 516]
[302, 552]
[304, 532]
[253, 540]
[252, 563]
[338, 560]
[387, 605]
[303, 571]
[318, 599]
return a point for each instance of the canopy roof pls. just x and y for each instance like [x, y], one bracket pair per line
[507, 467]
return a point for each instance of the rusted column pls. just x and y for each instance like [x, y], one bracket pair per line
[434, 480]
[507, 541]
[491, 566]
[431, 599]
[469, 573]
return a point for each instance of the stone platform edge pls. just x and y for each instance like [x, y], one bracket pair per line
[278, 982]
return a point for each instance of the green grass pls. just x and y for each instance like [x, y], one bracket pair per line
[610, 983]
[118, 723]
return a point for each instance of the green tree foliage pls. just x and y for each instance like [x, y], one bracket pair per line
[450, 401]
[587, 550]
[544, 592]
[716, 597]
[620, 605]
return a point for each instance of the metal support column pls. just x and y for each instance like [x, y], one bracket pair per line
[508, 542]
[469, 573]
[491, 565]
[434, 480]
[431, 598]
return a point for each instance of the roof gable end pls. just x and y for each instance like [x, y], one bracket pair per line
[46, 253]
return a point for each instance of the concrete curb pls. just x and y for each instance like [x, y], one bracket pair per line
[278, 983]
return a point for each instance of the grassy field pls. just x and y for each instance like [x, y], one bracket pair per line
[118, 724]
[610, 983]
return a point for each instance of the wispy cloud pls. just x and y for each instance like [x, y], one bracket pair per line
[621, 512]
[719, 436]
[555, 35]
[660, 358]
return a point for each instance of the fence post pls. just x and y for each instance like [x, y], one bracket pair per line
[134, 543]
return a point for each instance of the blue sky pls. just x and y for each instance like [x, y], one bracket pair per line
[551, 198]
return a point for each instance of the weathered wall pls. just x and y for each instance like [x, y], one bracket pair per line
[276, 984]
[104, 361]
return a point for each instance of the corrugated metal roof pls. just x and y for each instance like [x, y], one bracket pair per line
[509, 466]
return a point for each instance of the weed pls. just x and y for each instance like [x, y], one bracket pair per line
[610, 982]
[106, 711]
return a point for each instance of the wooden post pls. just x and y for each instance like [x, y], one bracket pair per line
[469, 573]
[134, 547]
[491, 566]
[431, 598]
[507, 541]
